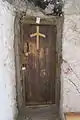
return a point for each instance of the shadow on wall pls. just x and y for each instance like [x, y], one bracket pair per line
[49, 7]
[10, 1]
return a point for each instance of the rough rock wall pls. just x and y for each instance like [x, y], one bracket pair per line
[7, 64]
[71, 57]
[49, 7]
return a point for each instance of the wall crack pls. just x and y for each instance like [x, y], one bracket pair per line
[71, 69]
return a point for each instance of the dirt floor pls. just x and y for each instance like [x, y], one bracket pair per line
[49, 112]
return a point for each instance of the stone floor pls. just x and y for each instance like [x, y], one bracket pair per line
[39, 113]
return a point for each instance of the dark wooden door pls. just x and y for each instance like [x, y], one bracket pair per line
[40, 65]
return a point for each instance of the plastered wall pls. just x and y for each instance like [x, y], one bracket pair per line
[70, 69]
[7, 63]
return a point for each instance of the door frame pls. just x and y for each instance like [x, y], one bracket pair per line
[46, 20]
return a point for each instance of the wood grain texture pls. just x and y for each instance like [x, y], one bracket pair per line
[40, 65]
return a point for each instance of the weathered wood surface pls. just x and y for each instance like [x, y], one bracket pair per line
[40, 65]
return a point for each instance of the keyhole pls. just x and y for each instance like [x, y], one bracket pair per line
[27, 47]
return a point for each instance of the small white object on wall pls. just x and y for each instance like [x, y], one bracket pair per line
[37, 20]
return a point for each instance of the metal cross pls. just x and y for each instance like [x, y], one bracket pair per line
[37, 34]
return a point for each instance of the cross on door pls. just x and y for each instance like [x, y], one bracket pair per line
[37, 34]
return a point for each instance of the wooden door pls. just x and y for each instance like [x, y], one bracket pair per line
[40, 65]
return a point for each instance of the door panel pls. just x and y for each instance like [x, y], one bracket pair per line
[40, 65]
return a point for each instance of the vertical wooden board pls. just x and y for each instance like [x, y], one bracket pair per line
[72, 116]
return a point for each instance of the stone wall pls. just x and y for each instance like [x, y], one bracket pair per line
[7, 63]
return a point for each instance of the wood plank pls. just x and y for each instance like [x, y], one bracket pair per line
[72, 116]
